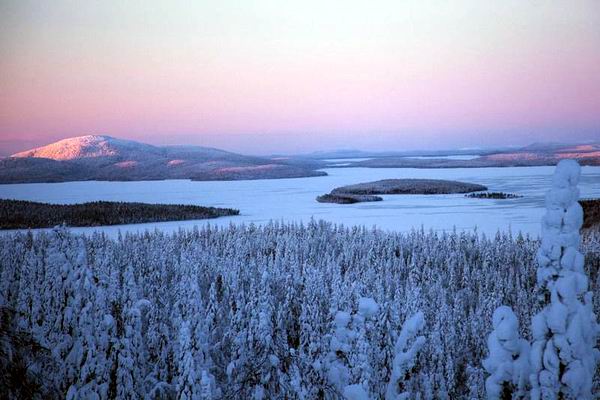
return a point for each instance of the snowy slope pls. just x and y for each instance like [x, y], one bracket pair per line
[97, 157]
[89, 146]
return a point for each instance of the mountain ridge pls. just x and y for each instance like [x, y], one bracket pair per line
[102, 157]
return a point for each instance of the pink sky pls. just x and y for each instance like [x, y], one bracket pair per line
[265, 77]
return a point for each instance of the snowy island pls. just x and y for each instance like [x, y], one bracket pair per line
[364, 192]
[17, 214]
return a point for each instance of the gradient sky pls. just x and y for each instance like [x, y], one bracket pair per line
[283, 76]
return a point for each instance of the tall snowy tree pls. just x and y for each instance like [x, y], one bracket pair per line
[508, 360]
[406, 351]
[188, 385]
[564, 354]
[360, 358]
[340, 346]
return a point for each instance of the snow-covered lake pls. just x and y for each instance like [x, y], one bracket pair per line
[294, 199]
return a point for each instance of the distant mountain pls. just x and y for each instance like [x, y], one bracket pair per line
[345, 154]
[97, 157]
[532, 155]
[90, 146]
[550, 153]
[545, 152]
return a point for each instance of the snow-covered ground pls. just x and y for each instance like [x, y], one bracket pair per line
[294, 199]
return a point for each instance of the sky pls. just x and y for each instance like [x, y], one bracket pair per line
[294, 76]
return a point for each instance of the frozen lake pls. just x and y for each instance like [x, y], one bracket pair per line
[294, 199]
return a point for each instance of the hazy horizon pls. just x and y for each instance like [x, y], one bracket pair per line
[8, 148]
[267, 77]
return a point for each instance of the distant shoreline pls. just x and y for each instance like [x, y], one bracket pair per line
[19, 214]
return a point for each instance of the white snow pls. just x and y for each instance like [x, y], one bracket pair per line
[508, 359]
[79, 147]
[355, 392]
[294, 199]
[367, 307]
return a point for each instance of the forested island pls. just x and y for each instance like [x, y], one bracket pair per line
[18, 214]
[368, 191]
[493, 195]
[347, 198]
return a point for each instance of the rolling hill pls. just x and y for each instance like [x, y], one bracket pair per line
[533, 155]
[97, 157]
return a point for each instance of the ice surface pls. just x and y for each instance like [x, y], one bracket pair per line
[294, 199]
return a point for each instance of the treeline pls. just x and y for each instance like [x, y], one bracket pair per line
[17, 214]
[493, 195]
[343, 198]
[249, 312]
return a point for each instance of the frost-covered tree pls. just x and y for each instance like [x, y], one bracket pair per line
[342, 337]
[251, 292]
[406, 351]
[383, 349]
[564, 354]
[361, 356]
[508, 359]
[130, 351]
[188, 385]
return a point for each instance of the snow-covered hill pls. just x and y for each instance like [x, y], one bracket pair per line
[89, 146]
[99, 157]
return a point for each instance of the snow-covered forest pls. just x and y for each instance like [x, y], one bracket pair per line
[275, 311]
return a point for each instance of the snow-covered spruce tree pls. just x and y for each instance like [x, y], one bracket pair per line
[361, 357]
[194, 358]
[383, 343]
[406, 351]
[188, 385]
[508, 360]
[313, 346]
[131, 353]
[563, 354]
[341, 343]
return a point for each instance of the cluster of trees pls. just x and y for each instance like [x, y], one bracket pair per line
[19, 214]
[492, 195]
[257, 311]
[345, 198]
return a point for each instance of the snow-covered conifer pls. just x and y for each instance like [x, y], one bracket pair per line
[564, 354]
[406, 351]
[341, 344]
[361, 356]
[508, 360]
[188, 384]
